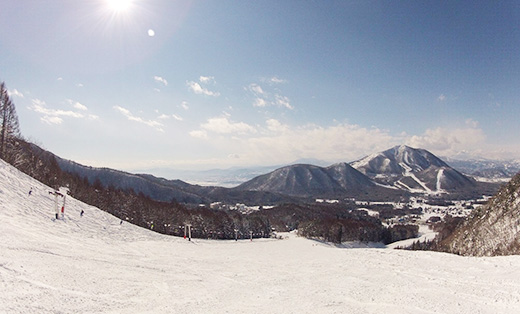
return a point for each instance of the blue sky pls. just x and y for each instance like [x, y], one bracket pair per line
[144, 84]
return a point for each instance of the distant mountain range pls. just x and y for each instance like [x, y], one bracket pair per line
[486, 170]
[392, 174]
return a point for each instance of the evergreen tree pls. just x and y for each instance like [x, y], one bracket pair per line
[9, 127]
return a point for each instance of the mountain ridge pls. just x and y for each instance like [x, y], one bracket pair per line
[406, 171]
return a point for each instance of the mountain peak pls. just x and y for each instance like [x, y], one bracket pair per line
[416, 170]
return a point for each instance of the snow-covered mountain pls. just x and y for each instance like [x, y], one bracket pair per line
[94, 264]
[486, 170]
[493, 229]
[309, 180]
[415, 170]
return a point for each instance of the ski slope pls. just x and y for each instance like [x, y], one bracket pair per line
[92, 264]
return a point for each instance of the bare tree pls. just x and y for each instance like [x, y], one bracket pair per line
[9, 126]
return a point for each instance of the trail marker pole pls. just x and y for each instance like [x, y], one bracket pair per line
[251, 235]
[188, 227]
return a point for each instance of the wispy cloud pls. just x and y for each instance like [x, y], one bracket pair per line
[151, 123]
[197, 88]
[77, 105]
[184, 105]
[54, 116]
[166, 117]
[283, 101]
[441, 97]
[15, 93]
[263, 98]
[161, 80]
[207, 79]
[51, 119]
[259, 102]
[277, 80]
[256, 89]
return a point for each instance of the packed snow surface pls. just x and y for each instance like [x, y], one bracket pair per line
[94, 264]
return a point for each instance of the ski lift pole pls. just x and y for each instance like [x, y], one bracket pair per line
[188, 228]
[56, 206]
[63, 207]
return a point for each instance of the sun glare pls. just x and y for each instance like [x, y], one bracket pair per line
[119, 5]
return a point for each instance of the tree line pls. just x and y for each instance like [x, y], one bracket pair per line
[9, 125]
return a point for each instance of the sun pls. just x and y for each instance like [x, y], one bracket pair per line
[119, 5]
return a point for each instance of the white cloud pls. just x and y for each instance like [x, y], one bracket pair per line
[165, 117]
[275, 126]
[176, 117]
[40, 107]
[199, 134]
[207, 79]
[259, 102]
[184, 105]
[15, 93]
[161, 80]
[51, 120]
[152, 123]
[264, 98]
[441, 97]
[277, 80]
[198, 89]
[256, 89]
[79, 85]
[223, 125]
[283, 101]
[80, 106]
[448, 141]
[279, 143]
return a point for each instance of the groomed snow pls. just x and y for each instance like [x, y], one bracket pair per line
[92, 264]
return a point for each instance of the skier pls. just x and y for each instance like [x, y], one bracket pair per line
[82, 212]
[30, 192]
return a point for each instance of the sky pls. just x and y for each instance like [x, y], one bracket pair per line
[146, 84]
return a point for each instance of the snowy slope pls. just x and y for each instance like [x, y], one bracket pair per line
[92, 264]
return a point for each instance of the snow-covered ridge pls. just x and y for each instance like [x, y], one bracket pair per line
[94, 264]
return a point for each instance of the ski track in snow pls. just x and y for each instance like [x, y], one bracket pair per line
[92, 264]
[440, 173]
[408, 173]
